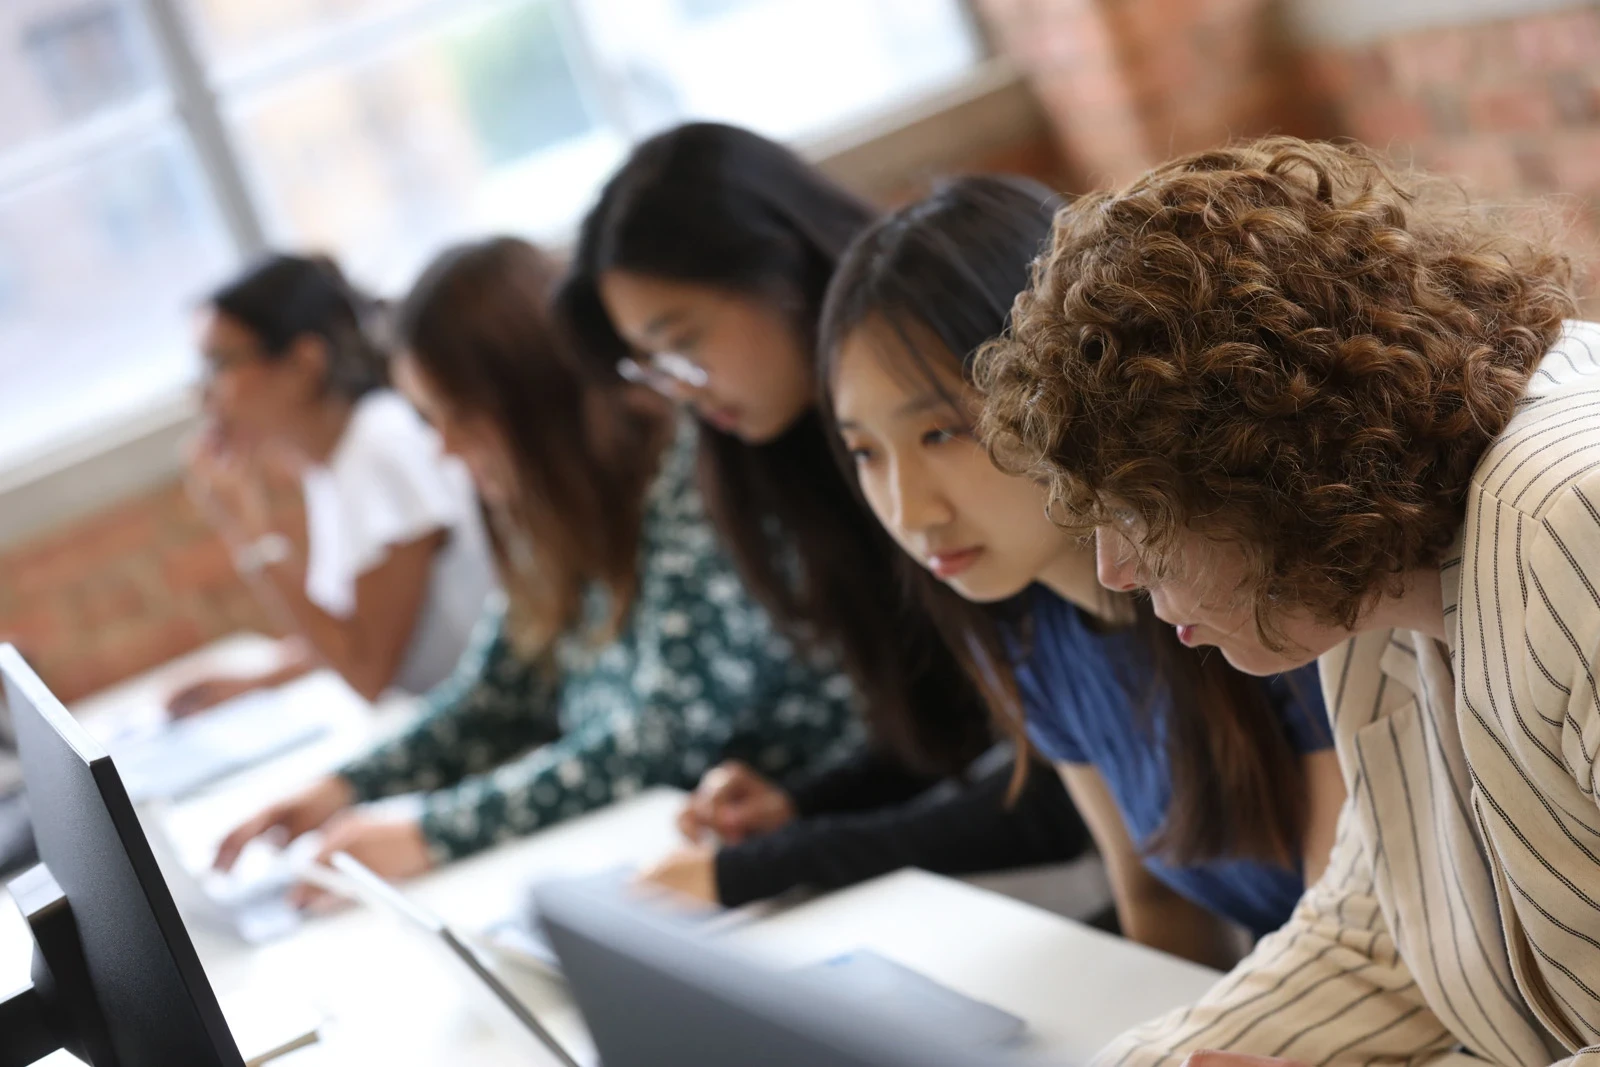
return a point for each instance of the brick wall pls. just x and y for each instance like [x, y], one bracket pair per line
[1511, 106]
[123, 591]
[1128, 83]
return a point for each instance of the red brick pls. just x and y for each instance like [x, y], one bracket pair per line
[76, 551]
[1564, 39]
[1436, 57]
[1329, 74]
[203, 565]
[1527, 108]
[1575, 162]
[1482, 164]
[1382, 122]
[37, 628]
[1534, 168]
[1576, 96]
[111, 601]
[131, 652]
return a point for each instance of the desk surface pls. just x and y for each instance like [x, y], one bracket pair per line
[389, 999]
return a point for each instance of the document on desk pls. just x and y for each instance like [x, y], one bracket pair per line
[179, 758]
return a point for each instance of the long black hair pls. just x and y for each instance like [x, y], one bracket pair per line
[282, 298]
[951, 266]
[722, 207]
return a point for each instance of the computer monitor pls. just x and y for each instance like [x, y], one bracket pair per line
[654, 991]
[116, 979]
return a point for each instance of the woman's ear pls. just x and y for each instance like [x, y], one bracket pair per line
[308, 359]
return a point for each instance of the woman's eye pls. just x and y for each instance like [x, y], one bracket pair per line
[860, 455]
[942, 436]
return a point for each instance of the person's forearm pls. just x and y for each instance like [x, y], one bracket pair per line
[298, 659]
[870, 779]
[1161, 919]
[336, 641]
[952, 829]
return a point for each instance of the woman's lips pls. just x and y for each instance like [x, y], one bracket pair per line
[947, 565]
[724, 419]
[1186, 634]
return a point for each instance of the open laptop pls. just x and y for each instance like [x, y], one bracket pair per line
[652, 992]
[17, 849]
[603, 933]
[368, 888]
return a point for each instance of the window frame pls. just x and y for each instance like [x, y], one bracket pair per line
[987, 109]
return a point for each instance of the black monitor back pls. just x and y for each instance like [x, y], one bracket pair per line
[158, 1006]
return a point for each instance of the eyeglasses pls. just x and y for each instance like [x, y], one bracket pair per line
[666, 372]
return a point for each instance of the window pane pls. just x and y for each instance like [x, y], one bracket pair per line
[479, 126]
[98, 269]
[784, 67]
[233, 29]
[66, 60]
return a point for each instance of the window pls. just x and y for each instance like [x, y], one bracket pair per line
[149, 147]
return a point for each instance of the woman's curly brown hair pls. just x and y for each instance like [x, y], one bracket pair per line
[1283, 345]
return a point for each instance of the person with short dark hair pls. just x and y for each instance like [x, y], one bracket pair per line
[395, 564]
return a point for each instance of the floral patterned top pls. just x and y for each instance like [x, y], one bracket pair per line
[698, 674]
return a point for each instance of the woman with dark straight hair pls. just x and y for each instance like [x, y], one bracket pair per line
[626, 652]
[395, 565]
[701, 272]
[1209, 793]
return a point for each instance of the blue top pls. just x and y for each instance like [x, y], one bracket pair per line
[1083, 690]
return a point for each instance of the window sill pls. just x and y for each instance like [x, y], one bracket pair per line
[987, 110]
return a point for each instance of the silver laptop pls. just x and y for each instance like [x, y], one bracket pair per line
[371, 890]
[10, 766]
[652, 992]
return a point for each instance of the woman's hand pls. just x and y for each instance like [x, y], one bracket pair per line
[690, 872]
[390, 846]
[228, 487]
[290, 818]
[734, 802]
[207, 694]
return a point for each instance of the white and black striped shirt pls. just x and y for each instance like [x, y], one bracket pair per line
[1460, 915]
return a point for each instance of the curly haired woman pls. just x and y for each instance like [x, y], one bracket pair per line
[1319, 409]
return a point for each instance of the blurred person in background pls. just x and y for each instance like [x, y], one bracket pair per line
[701, 272]
[626, 652]
[396, 563]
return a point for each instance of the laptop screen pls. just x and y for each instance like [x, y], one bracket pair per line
[10, 767]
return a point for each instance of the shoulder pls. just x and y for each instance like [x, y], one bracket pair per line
[387, 442]
[1552, 444]
[384, 431]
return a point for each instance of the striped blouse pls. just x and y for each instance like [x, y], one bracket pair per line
[1460, 914]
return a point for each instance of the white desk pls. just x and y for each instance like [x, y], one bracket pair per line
[388, 1001]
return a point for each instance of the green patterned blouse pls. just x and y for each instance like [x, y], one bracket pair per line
[698, 674]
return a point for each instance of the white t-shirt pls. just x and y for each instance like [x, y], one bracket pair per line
[389, 482]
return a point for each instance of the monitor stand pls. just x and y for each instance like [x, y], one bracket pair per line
[57, 1009]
